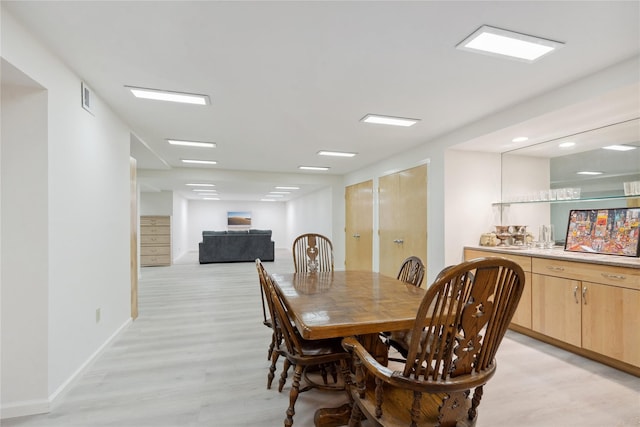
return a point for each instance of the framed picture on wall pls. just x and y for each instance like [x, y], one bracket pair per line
[238, 220]
[604, 231]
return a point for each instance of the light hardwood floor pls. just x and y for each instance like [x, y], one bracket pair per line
[196, 356]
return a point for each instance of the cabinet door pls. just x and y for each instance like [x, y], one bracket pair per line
[555, 305]
[610, 319]
[522, 316]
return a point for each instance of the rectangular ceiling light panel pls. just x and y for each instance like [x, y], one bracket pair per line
[336, 153]
[200, 162]
[191, 143]
[164, 95]
[388, 120]
[497, 42]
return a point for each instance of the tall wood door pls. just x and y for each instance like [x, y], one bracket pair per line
[402, 218]
[359, 226]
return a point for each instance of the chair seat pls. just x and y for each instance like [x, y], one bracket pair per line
[326, 347]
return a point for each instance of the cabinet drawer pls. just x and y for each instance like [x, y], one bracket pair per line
[155, 250]
[154, 229]
[150, 260]
[155, 220]
[155, 239]
[521, 260]
[596, 273]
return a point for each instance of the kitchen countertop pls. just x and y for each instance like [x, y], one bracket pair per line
[560, 254]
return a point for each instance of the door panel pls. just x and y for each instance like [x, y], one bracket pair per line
[359, 226]
[402, 218]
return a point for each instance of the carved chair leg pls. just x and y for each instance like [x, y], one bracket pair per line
[293, 395]
[323, 373]
[334, 373]
[475, 402]
[271, 346]
[356, 416]
[272, 368]
[415, 408]
[283, 376]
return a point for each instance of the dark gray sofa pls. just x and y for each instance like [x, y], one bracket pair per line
[236, 246]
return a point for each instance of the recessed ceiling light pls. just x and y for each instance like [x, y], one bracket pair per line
[202, 162]
[336, 153]
[520, 139]
[204, 190]
[620, 147]
[589, 173]
[567, 144]
[313, 168]
[192, 143]
[497, 42]
[267, 200]
[211, 198]
[165, 95]
[274, 195]
[287, 188]
[280, 192]
[389, 120]
[194, 184]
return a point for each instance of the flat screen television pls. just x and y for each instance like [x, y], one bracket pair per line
[238, 220]
[604, 231]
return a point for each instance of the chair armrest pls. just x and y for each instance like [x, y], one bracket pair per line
[352, 345]
[396, 378]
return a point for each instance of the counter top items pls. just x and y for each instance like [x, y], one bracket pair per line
[507, 236]
[604, 231]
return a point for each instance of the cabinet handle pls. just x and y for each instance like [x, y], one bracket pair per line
[584, 295]
[552, 268]
[399, 241]
[357, 236]
[575, 295]
[614, 276]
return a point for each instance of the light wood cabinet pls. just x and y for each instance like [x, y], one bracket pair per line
[610, 321]
[155, 241]
[556, 304]
[590, 308]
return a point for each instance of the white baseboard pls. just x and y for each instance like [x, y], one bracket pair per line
[28, 407]
[33, 407]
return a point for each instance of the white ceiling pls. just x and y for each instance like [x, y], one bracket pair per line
[287, 79]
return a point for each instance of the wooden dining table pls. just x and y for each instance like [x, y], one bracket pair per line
[344, 303]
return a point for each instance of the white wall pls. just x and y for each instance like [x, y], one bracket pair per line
[179, 227]
[212, 215]
[24, 239]
[159, 203]
[87, 220]
[473, 184]
[321, 212]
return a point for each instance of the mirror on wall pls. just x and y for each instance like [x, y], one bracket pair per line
[541, 183]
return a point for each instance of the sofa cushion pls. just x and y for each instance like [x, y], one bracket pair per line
[254, 231]
[213, 233]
